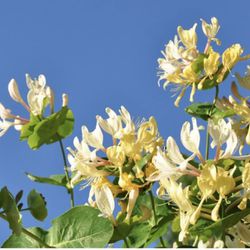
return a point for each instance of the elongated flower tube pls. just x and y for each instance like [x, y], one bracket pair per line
[94, 138]
[191, 138]
[112, 125]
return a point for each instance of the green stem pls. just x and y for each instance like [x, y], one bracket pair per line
[31, 235]
[126, 242]
[207, 144]
[155, 216]
[207, 134]
[25, 209]
[70, 190]
[36, 238]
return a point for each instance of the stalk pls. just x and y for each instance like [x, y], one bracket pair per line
[155, 216]
[70, 190]
[31, 235]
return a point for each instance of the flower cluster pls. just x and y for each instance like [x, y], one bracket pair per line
[38, 98]
[124, 160]
[184, 65]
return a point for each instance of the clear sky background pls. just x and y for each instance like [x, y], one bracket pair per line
[102, 53]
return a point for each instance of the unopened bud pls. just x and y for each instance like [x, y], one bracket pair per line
[65, 100]
[51, 97]
[14, 91]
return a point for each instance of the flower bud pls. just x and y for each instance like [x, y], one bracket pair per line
[65, 100]
[14, 91]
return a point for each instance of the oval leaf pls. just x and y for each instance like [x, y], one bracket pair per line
[37, 205]
[80, 227]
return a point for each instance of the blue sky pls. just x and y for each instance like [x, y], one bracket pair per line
[102, 54]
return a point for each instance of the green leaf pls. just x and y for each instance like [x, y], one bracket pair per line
[81, 226]
[219, 227]
[11, 211]
[37, 205]
[24, 241]
[121, 231]
[159, 230]
[49, 130]
[205, 110]
[58, 180]
[139, 234]
[18, 196]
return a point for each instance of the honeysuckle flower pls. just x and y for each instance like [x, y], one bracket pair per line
[112, 125]
[232, 144]
[84, 162]
[180, 197]
[241, 111]
[164, 168]
[211, 63]
[176, 157]
[37, 97]
[94, 138]
[5, 113]
[244, 81]
[219, 131]
[4, 126]
[207, 185]
[129, 124]
[211, 30]
[116, 155]
[191, 138]
[104, 198]
[132, 197]
[188, 37]
[229, 58]
[15, 94]
[125, 182]
[246, 186]
[225, 183]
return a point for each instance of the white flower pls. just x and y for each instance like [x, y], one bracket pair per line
[83, 162]
[132, 197]
[188, 37]
[165, 169]
[4, 126]
[175, 155]
[38, 95]
[94, 138]
[191, 138]
[14, 91]
[211, 30]
[104, 199]
[219, 132]
[112, 125]
[126, 118]
[232, 144]
[5, 113]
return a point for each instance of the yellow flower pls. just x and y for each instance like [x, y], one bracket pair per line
[116, 155]
[211, 30]
[188, 37]
[211, 63]
[224, 185]
[246, 185]
[207, 185]
[231, 56]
